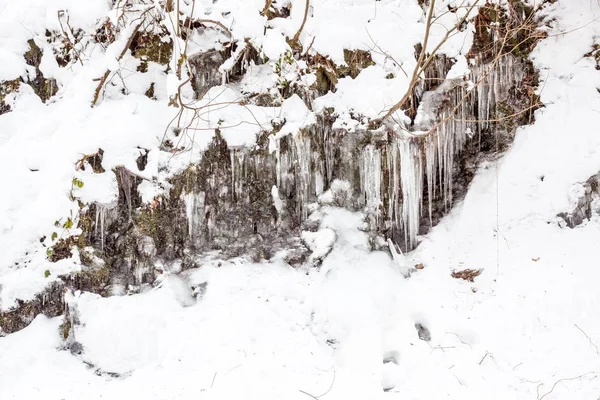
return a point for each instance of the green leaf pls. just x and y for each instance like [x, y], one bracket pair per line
[46, 272]
[78, 183]
[68, 224]
[54, 236]
[49, 252]
[57, 223]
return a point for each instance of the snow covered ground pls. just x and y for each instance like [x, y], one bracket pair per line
[527, 328]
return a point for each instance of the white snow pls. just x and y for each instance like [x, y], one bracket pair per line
[527, 328]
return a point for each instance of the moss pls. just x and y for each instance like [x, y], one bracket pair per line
[151, 47]
[44, 88]
[504, 115]
[65, 329]
[519, 29]
[94, 280]
[6, 88]
[33, 56]
[326, 80]
[186, 182]
[62, 249]
[147, 220]
[50, 303]
[356, 61]
[150, 92]
[328, 74]
[86, 256]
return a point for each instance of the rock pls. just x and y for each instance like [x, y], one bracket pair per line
[50, 303]
[423, 332]
[585, 200]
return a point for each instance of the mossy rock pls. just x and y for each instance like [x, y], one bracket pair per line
[151, 47]
[33, 56]
[62, 249]
[326, 80]
[150, 92]
[94, 280]
[518, 29]
[328, 74]
[6, 88]
[356, 61]
[44, 88]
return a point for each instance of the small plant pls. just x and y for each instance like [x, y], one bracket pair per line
[283, 63]
[63, 242]
[289, 73]
[76, 183]
[46, 272]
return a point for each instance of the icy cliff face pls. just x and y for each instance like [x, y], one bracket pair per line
[221, 135]
[246, 200]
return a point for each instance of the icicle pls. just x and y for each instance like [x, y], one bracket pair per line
[194, 212]
[430, 167]
[370, 177]
[100, 224]
[232, 158]
[411, 171]
[394, 183]
[278, 159]
[302, 161]
[102, 221]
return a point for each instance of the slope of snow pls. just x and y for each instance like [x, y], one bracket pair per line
[527, 328]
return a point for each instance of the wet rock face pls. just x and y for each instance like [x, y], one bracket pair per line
[586, 199]
[205, 71]
[254, 201]
[216, 67]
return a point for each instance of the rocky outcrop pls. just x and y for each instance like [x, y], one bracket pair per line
[586, 202]
[43, 87]
[256, 201]
[50, 303]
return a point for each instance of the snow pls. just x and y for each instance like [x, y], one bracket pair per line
[525, 329]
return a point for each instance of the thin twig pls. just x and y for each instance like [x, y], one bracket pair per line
[588, 338]
[107, 73]
[422, 62]
[556, 383]
[483, 358]
[321, 395]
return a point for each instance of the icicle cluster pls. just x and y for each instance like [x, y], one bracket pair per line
[389, 176]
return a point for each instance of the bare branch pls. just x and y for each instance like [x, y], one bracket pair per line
[297, 35]
[424, 61]
[588, 338]
[557, 382]
[107, 73]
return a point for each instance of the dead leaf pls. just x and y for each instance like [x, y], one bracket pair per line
[467, 274]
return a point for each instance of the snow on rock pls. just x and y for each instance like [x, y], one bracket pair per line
[320, 242]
